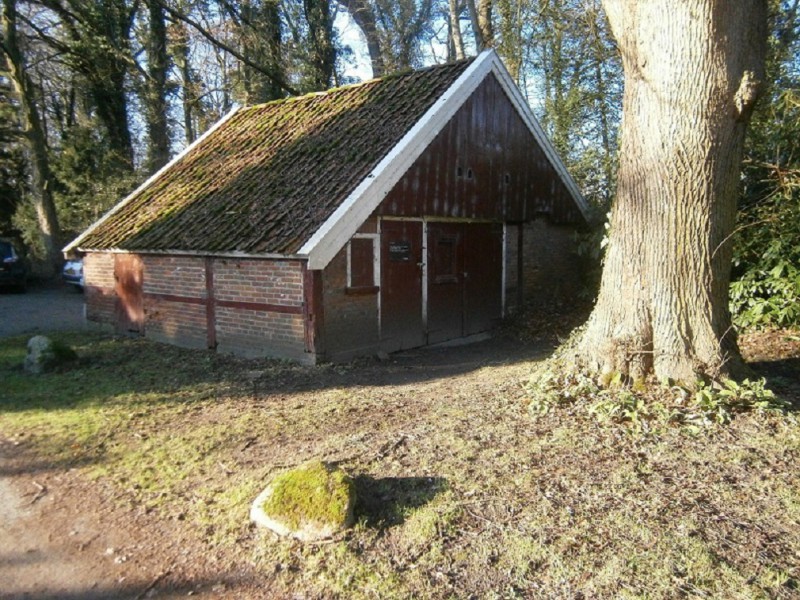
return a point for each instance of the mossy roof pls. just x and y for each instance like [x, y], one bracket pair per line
[270, 175]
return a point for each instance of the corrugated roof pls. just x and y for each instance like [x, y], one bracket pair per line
[266, 178]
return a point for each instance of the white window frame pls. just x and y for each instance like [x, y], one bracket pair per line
[376, 258]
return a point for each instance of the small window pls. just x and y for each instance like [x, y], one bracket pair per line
[361, 265]
[469, 174]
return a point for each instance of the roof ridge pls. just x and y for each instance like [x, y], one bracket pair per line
[349, 86]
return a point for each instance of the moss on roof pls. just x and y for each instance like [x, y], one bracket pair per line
[270, 175]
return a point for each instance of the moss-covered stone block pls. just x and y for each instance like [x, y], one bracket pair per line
[45, 355]
[311, 502]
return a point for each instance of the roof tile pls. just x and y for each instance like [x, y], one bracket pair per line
[267, 178]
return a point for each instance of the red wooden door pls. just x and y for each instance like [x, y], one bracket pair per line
[401, 285]
[445, 281]
[128, 287]
[483, 272]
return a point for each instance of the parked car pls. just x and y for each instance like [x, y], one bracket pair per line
[73, 272]
[13, 266]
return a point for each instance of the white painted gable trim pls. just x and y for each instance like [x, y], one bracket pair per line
[77, 241]
[334, 233]
[359, 205]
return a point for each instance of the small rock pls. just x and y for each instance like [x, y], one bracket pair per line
[382, 356]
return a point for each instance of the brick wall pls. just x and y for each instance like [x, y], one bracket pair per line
[101, 301]
[259, 308]
[351, 321]
[278, 282]
[174, 275]
[551, 270]
[168, 279]
[258, 303]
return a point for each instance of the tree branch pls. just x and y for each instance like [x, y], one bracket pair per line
[279, 81]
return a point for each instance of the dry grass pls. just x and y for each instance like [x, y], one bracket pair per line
[462, 493]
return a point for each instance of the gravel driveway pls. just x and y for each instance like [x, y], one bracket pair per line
[43, 308]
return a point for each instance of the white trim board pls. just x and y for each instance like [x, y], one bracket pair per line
[340, 226]
[76, 242]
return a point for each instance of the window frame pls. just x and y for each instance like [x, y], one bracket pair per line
[376, 271]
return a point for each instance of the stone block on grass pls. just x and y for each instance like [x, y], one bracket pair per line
[45, 355]
[311, 502]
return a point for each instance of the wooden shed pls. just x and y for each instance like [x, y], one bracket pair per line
[404, 211]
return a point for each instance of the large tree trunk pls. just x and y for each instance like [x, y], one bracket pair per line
[320, 36]
[189, 96]
[692, 69]
[36, 143]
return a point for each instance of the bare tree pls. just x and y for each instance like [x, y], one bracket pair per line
[482, 24]
[454, 24]
[156, 87]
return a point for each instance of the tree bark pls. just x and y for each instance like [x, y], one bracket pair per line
[692, 71]
[36, 143]
[456, 40]
[481, 15]
[510, 45]
[189, 100]
[156, 89]
[320, 37]
[363, 15]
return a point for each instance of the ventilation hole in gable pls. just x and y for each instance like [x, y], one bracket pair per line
[507, 178]
[469, 173]
[459, 172]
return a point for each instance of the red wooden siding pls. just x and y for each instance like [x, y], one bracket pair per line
[464, 279]
[484, 164]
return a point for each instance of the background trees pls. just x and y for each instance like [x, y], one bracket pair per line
[765, 291]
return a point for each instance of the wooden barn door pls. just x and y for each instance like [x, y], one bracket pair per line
[483, 286]
[465, 270]
[445, 281]
[128, 272]
[401, 285]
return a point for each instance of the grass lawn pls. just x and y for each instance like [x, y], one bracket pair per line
[462, 491]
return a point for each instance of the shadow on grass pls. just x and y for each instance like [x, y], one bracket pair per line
[110, 369]
[783, 378]
[385, 502]
[26, 465]
[166, 585]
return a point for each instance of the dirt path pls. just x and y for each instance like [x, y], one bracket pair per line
[60, 542]
[36, 563]
[55, 545]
